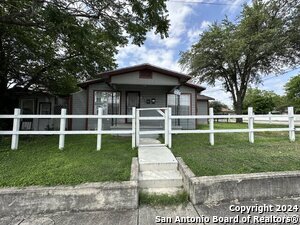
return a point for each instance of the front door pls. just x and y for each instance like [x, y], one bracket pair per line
[132, 100]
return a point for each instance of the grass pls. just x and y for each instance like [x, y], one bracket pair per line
[163, 200]
[39, 162]
[233, 154]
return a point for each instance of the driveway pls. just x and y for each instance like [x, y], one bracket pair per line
[277, 211]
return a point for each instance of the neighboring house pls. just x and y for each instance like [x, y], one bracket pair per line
[140, 86]
[39, 102]
[203, 107]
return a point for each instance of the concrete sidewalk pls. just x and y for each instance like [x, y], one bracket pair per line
[147, 215]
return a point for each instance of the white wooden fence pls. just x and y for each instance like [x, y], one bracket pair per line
[62, 131]
[165, 114]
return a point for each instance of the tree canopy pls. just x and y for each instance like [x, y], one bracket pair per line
[292, 89]
[218, 106]
[264, 40]
[52, 44]
[262, 101]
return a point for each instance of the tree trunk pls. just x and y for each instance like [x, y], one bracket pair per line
[6, 99]
[238, 107]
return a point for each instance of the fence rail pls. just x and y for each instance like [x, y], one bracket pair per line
[166, 115]
[62, 132]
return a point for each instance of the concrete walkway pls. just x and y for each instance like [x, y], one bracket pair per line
[158, 169]
[147, 215]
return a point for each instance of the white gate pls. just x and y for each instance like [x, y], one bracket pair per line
[164, 115]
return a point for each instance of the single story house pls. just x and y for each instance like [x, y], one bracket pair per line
[140, 86]
[203, 107]
[39, 102]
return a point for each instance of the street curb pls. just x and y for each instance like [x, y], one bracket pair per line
[84, 197]
[239, 187]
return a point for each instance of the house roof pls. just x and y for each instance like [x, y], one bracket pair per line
[20, 91]
[204, 97]
[93, 81]
[195, 86]
[145, 66]
[183, 78]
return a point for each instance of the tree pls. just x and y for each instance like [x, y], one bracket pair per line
[218, 106]
[53, 44]
[265, 38]
[292, 89]
[262, 101]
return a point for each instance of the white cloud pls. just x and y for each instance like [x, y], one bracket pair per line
[194, 33]
[169, 42]
[160, 52]
[178, 13]
[236, 5]
[132, 55]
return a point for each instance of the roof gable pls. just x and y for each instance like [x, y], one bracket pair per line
[107, 76]
[141, 67]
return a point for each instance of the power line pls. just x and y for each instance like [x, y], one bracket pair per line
[283, 73]
[202, 2]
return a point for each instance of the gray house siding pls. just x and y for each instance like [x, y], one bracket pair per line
[92, 123]
[202, 109]
[134, 79]
[155, 88]
[189, 123]
[79, 108]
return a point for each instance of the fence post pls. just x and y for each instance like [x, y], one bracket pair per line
[170, 127]
[211, 126]
[133, 142]
[291, 124]
[270, 118]
[137, 127]
[16, 128]
[99, 128]
[166, 126]
[250, 124]
[62, 129]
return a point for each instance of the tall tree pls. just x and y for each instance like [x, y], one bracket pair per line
[218, 106]
[265, 39]
[292, 90]
[262, 101]
[53, 44]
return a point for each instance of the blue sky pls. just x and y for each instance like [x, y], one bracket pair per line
[188, 20]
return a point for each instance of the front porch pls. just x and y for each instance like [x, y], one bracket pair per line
[124, 97]
[143, 86]
[125, 126]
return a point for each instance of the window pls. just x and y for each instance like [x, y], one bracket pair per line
[181, 105]
[108, 101]
[27, 106]
[45, 108]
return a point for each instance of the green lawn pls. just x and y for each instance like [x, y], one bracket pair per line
[232, 153]
[39, 162]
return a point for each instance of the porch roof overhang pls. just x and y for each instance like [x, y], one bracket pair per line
[204, 97]
[198, 88]
[89, 82]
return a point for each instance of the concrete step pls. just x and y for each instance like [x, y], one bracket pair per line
[161, 191]
[160, 179]
[156, 158]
